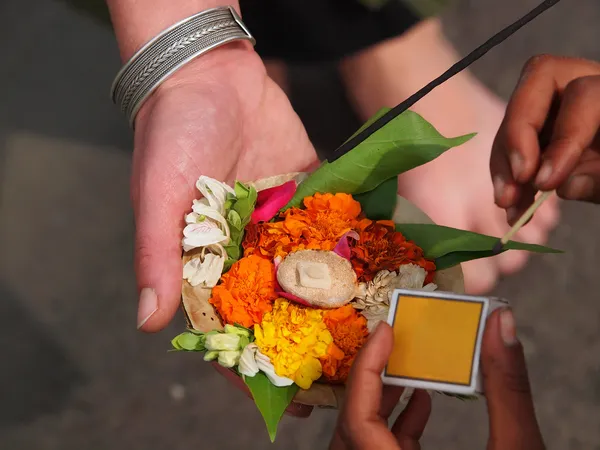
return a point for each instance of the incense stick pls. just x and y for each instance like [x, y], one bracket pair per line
[455, 69]
[521, 222]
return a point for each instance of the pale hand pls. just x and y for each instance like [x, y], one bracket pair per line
[220, 116]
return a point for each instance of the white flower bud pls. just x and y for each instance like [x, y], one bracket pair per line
[222, 342]
[229, 358]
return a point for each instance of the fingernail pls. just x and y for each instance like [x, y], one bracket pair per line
[544, 174]
[516, 162]
[147, 307]
[508, 329]
[512, 214]
[580, 187]
[499, 184]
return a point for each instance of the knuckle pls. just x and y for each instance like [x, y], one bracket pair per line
[143, 252]
[581, 86]
[511, 132]
[539, 62]
[516, 382]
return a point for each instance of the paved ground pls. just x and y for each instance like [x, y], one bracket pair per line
[75, 373]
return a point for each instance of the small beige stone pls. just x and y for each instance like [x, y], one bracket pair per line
[303, 273]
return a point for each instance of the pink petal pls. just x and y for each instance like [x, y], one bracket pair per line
[343, 248]
[270, 201]
[293, 298]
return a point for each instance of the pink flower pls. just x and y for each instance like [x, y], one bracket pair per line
[343, 248]
[270, 201]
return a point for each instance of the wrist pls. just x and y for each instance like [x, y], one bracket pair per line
[204, 43]
[137, 22]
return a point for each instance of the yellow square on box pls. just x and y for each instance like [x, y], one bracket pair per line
[435, 339]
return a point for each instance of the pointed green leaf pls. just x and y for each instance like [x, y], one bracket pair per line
[234, 220]
[271, 400]
[371, 120]
[380, 203]
[406, 142]
[450, 246]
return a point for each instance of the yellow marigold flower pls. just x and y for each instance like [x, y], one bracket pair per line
[294, 338]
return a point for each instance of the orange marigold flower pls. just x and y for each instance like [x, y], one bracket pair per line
[246, 292]
[349, 331]
[343, 205]
[381, 247]
[268, 239]
[320, 226]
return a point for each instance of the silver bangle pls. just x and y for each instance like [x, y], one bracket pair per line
[172, 49]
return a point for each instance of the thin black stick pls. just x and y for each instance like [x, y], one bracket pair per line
[456, 68]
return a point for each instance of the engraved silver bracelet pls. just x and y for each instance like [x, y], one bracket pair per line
[172, 49]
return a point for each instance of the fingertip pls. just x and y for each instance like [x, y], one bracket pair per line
[159, 273]
[375, 353]
[579, 187]
[157, 321]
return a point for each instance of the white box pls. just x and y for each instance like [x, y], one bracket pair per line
[427, 356]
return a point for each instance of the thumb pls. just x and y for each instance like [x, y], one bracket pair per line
[159, 206]
[513, 424]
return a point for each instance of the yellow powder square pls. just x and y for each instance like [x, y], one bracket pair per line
[434, 339]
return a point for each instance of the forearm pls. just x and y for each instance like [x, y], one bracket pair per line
[137, 21]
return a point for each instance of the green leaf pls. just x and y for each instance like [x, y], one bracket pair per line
[245, 202]
[406, 142]
[244, 341]
[249, 331]
[175, 343]
[450, 246]
[189, 341]
[228, 263]
[380, 203]
[234, 219]
[270, 400]
[233, 251]
[371, 120]
[241, 190]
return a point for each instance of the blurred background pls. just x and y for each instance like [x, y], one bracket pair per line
[76, 374]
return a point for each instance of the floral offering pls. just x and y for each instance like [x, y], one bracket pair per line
[284, 278]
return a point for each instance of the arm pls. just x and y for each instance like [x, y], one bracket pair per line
[137, 21]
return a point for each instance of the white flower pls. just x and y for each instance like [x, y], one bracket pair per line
[206, 269]
[214, 192]
[374, 297]
[206, 226]
[410, 276]
[253, 360]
